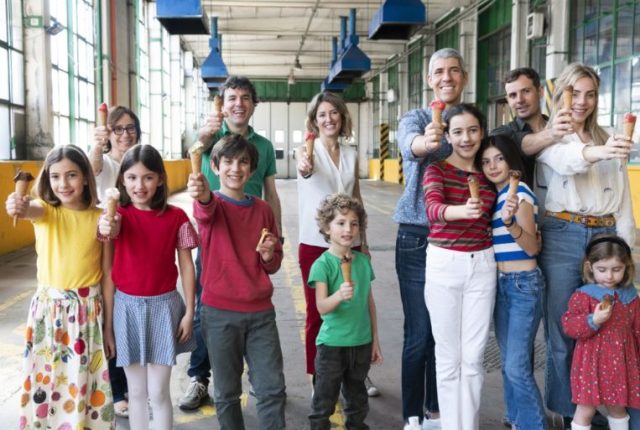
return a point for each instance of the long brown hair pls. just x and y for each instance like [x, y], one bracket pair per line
[152, 160]
[346, 129]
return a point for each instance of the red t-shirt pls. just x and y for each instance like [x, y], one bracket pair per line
[444, 185]
[234, 277]
[144, 262]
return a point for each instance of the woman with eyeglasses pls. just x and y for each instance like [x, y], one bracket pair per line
[110, 143]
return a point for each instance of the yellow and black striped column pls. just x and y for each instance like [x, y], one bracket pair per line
[400, 174]
[549, 88]
[384, 147]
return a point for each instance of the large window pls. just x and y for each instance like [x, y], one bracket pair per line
[142, 57]
[393, 83]
[605, 34]
[12, 93]
[73, 72]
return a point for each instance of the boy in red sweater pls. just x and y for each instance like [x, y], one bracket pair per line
[238, 318]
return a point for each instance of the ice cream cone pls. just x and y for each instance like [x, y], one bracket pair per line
[263, 234]
[22, 180]
[474, 187]
[437, 106]
[195, 154]
[514, 181]
[309, 141]
[345, 266]
[103, 110]
[217, 104]
[629, 124]
[606, 302]
[113, 197]
[567, 97]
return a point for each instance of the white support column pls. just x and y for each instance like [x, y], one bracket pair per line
[519, 43]
[37, 70]
[175, 97]
[469, 49]
[558, 48]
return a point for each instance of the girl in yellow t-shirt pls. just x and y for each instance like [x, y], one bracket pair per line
[66, 382]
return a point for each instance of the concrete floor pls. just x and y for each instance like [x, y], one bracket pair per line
[18, 279]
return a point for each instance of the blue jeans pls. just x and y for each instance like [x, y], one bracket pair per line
[634, 424]
[563, 246]
[517, 316]
[337, 367]
[419, 387]
[230, 336]
[199, 366]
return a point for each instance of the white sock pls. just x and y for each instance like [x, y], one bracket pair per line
[575, 426]
[618, 423]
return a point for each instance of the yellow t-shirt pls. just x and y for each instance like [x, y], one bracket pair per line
[69, 254]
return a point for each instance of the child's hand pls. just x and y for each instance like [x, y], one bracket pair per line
[473, 208]
[16, 205]
[509, 208]
[600, 316]
[185, 329]
[267, 247]
[109, 344]
[198, 188]
[346, 291]
[109, 226]
[376, 352]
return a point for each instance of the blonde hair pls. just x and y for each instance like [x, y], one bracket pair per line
[339, 203]
[569, 76]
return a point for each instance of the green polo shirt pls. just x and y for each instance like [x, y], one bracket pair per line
[266, 161]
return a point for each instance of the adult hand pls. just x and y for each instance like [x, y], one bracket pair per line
[304, 163]
[617, 146]
[101, 138]
[210, 127]
[561, 125]
[433, 133]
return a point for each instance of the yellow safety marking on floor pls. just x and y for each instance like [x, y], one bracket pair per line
[15, 299]
[11, 350]
[20, 330]
[291, 271]
[207, 411]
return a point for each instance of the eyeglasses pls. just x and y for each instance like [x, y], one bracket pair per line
[130, 129]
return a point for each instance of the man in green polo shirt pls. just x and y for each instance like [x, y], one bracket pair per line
[239, 102]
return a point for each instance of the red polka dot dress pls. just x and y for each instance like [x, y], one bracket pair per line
[606, 359]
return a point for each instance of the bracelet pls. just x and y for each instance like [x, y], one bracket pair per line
[520, 235]
[510, 224]
[308, 175]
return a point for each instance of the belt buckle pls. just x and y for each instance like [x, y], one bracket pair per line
[584, 220]
[609, 222]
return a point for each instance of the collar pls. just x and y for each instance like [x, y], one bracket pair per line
[247, 201]
[624, 294]
[226, 130]
[523, 126]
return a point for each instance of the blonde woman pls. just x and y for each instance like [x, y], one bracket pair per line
[588, 193]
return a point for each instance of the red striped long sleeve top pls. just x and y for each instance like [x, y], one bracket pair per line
[444, 185]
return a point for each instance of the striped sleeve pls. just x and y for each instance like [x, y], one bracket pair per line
[434, 197]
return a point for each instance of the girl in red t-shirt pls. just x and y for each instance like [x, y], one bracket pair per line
[147, 314]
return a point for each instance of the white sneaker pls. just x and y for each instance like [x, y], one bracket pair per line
[431, 424]
[372, 390]
[413, 424]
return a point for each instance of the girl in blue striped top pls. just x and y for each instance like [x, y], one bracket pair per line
[518, 307]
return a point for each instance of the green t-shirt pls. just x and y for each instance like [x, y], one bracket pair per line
[266, 162]
[349, 324]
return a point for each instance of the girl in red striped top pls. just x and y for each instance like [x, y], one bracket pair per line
[461, 269]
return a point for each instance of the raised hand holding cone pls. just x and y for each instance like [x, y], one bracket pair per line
[606, 302]
[22, 180]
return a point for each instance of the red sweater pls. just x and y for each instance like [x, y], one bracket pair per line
[144, 260]
[446, 185]
[234, 277]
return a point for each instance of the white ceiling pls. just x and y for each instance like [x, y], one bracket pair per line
[262, 38]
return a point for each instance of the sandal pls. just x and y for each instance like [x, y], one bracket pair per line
[121, 409]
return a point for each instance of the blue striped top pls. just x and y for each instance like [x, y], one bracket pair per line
[504, 246]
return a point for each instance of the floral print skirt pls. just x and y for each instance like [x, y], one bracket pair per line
[66, 378]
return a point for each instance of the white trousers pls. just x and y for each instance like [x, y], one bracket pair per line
[460, 292]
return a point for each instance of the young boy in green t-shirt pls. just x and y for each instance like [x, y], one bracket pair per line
[348, 338]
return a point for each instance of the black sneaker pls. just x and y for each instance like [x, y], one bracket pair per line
[599, 421]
